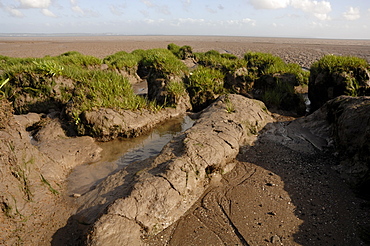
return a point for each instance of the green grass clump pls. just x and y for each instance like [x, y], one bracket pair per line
[163, 63]
[180, 52]
[43, 83]
[205, 78]
[349, 75]
[177, 89]
[95, 88]
[265, 63]
[354, 70]
[74, 58]
[203, 85]
[333, 76]
[227, 63]
[261, 62]
[338, 64]
[123, 60]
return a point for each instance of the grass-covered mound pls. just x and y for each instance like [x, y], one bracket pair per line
[73, 83]
[164, 73]
[71, 79]
[204, 85]
[126, 64]
[261, 75]
[85, 82]
[333, 76]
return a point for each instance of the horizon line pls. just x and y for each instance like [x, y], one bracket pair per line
[179, 35]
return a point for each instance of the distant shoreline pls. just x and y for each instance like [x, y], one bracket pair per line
[41, 35]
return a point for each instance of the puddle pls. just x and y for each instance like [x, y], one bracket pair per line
[121, 152]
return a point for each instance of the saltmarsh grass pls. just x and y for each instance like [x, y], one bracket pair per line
[123, 60]
[91, 87]
[163, 62]
[354, 72]
[74, 58]
[260, 62]
[204, 78]
[95, 88]
[177, 89]
[338, 64]
[227, 63]
[181, 52]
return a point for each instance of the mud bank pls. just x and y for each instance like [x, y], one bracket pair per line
[235, 177]
[146, 198]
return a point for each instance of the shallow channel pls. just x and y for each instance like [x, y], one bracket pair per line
[119, 153]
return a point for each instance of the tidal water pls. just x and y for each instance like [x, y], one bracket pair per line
[119, 153]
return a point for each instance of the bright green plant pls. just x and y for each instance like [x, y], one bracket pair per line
[204, 85]
[2, 84]
[205, 78]
[230, 108]
[227, 63]
[338, 64]
[123, 60]
[180, 52]
[52, 190]
[175, 49]
[74, 58]
[176, 89]
[163, 63]
[353, 71]
[49, 68]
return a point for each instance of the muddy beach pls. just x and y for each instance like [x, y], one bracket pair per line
[301, 51]
[283, 189]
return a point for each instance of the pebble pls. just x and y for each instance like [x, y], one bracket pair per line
[276, 240]
[76, 195]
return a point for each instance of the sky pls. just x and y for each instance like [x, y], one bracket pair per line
[344, 19]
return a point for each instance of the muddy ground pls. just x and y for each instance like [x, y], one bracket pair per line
[301, 51]
[276, 195]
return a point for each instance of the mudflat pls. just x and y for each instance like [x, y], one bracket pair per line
[275, 195]
[297, 50]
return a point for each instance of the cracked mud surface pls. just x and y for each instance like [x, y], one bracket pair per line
[275, 195]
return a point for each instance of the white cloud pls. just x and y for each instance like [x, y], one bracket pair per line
[14, 12]
[117, 9]
[191, 20]
[319, 9]
[38, 4]
[248, 21]
[352, 14]
[48, 13]
[211, 10]
[77, 9]
[269, 4]
[148, 3]
[163, 9]
[186, 4]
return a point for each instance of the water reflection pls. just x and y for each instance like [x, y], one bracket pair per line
[121, 152]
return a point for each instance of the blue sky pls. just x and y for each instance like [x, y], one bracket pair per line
[269, 18]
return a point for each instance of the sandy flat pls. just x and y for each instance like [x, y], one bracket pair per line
[302, 51]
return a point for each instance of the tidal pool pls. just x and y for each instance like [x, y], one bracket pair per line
[119, 153]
